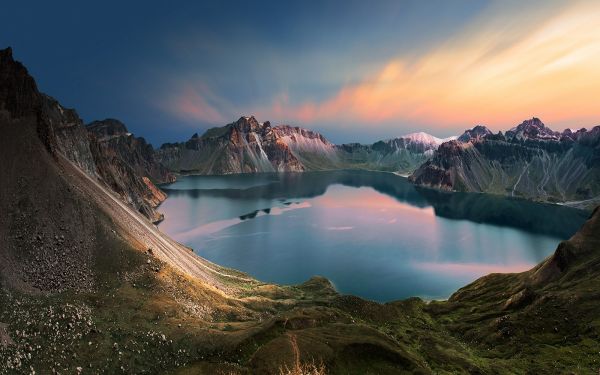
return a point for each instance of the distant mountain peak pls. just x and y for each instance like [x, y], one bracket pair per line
[426, 138]
[475, 133]
[532, 128]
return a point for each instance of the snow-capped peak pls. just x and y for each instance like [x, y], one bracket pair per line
[425, 138]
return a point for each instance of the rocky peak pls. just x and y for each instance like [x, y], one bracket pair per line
[247, 124]
[107, 128]
[20, 97]
[532, 129]
[59, 116]
[476, 133]
[18, 92]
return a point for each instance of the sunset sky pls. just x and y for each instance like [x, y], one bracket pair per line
[356, 71]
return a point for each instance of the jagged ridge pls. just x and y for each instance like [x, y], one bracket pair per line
[530, 161]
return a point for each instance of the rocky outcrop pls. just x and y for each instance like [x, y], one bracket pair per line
[20, 97]
[119, 161]
[128, 165]
[134, 151]
[244, 146]
[530, 161]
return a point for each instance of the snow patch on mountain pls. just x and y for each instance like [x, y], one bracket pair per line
[425, 138]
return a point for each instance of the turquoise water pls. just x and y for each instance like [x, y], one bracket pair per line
[372, 234]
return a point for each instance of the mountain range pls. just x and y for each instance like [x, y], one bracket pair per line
[247, 146]
[529, 160]
[89, 285]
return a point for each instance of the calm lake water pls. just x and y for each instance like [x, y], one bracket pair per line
[372, 234]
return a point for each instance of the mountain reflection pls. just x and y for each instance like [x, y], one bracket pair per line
[554, 220]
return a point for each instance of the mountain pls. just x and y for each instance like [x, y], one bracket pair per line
[89, 285]
[247, 146]
[243, 146]
[529, 160]
[402, 155]
[425, 139]
[476, 133]
[123, 163]
[114, 137]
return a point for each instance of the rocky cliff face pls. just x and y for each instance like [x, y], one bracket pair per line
[242, 147]
[116, 140]
[530, 161]
[20, 97]
[119, 161]
[63, 132]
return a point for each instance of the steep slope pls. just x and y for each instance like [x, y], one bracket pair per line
[312, 150]
[536, 316]
[120, 165]
[54, 208]
[529, 161]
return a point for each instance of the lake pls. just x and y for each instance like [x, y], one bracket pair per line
[372, 234]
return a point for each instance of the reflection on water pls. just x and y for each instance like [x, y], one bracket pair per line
[373, 234]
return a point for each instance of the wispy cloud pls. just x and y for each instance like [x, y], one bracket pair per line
[194, 104]
[486, 74]
[511, 62]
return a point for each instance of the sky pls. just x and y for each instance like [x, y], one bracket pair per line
[356, 71]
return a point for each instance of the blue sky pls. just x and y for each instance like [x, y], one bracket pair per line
[169, 71]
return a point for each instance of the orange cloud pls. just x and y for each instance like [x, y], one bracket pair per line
[192, 104]
[482, 76]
